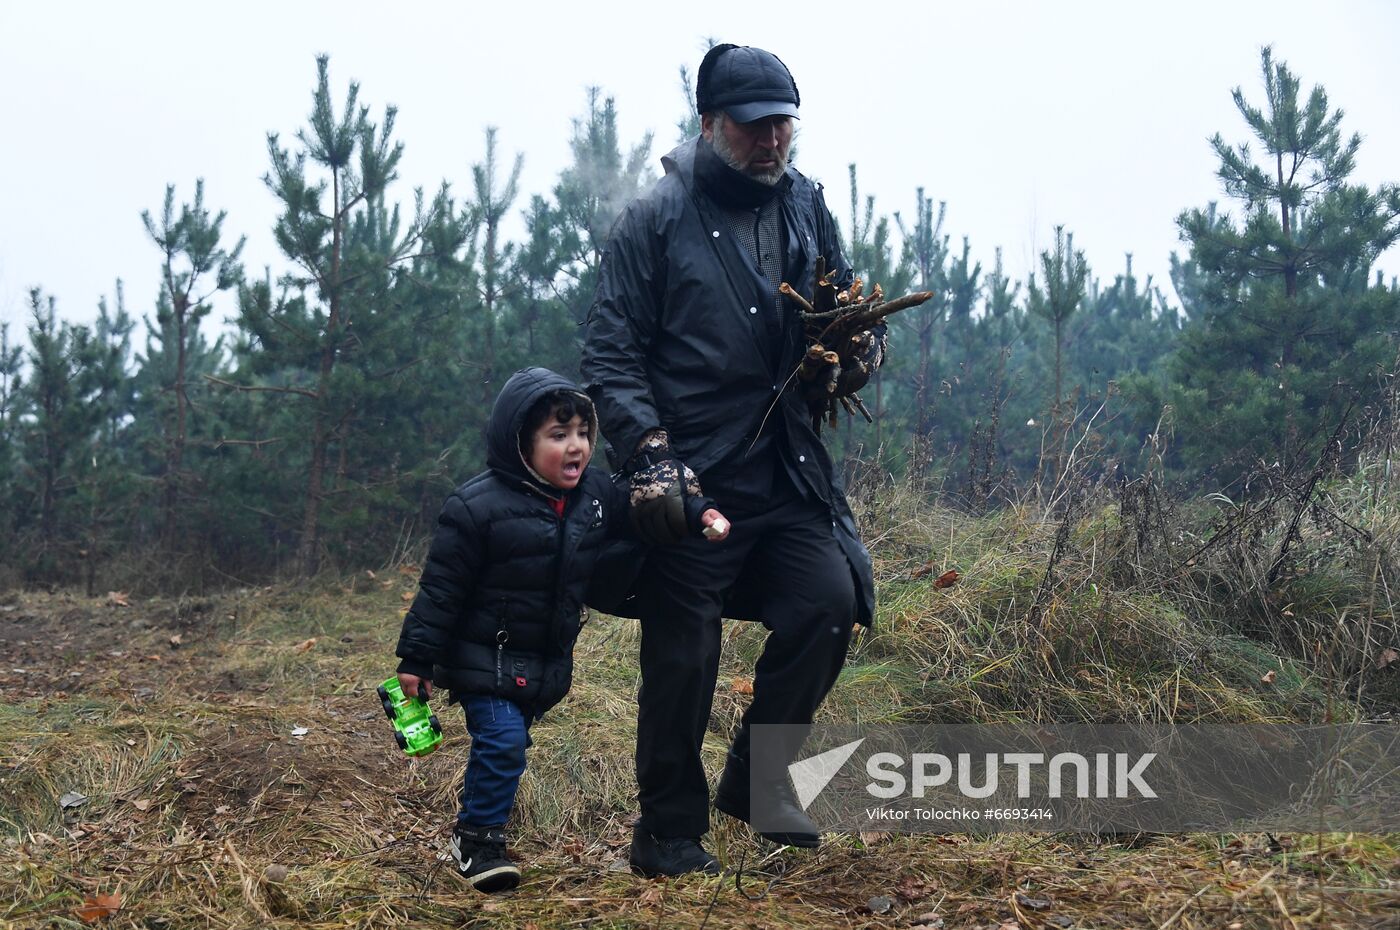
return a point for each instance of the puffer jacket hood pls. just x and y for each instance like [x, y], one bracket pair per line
[500, 598]
[503, 449]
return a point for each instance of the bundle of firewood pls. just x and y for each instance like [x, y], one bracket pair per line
[842, 350]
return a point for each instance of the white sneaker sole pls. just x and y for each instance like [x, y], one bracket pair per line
[498, 879]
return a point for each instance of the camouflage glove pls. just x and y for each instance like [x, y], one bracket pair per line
[658, 486]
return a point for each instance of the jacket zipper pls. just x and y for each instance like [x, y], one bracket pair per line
[502, 637]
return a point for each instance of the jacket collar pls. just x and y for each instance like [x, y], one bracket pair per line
[719, 181]
[731, 188]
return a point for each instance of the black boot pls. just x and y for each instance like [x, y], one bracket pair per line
[791, 826]
[654, 856]
[480, 853]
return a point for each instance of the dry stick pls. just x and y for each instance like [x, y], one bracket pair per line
[1283, 908]
[789, 291]
[247, 881]
[864, 318]
[1182, 910]
[1319, 469]
[254, 388]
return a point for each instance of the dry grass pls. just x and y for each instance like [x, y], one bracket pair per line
[174, 718]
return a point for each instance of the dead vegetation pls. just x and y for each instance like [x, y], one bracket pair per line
[222, 762]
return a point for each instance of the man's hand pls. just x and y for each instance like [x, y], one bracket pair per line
[658, 485]
[861, 359]
[411, 683]
[657, 494]
[716, 528]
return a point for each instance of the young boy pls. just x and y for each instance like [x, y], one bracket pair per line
[501, 593]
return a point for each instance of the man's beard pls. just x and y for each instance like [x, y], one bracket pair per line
[769, 176]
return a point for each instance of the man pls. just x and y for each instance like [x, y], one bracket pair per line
[688, 357]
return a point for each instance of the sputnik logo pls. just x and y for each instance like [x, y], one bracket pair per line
[812, 775]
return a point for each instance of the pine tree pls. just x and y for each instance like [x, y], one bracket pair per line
[13, 407]
[65, 418]
[1290, 330]
[591, 194]
[494, 197]
[194, 267]
[340, 305]
[1065, 273]
[926, 252]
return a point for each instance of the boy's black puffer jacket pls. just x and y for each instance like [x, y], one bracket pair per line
[500, 597]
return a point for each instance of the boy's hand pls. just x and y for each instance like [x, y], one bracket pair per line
[716, 527]
[411, 683]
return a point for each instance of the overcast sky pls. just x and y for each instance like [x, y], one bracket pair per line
[1021, 116]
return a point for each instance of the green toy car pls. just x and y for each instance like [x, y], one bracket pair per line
[416, 728]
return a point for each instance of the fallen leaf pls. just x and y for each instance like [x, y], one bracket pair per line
[1386, 657]
[100, 907]
[650, 896]
[153, 657]
[141, 805]
[304, 645]
[1035, 904]
[742, 686]
[118, 599]
[1269, 677]
[911, 888]
[874, 837]
[923, 571]
[221, 809]
[932, 920]
[72, 799]
[879, 904]
[176, 640]
[947, 579]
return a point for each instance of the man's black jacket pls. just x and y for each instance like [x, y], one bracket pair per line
[499, 601]
[673, 341]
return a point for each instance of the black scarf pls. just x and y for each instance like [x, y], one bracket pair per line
[730, 187]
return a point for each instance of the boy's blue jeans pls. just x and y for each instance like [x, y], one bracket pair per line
[500, 733]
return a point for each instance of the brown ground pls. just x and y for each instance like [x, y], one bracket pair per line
[175, 719]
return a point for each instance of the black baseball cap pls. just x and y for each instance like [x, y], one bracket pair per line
[745, 82]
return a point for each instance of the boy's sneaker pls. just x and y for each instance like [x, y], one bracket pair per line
[480, 854]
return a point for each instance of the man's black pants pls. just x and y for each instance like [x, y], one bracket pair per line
[808, 605]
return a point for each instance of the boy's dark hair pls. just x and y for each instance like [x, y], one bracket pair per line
[561, 406]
